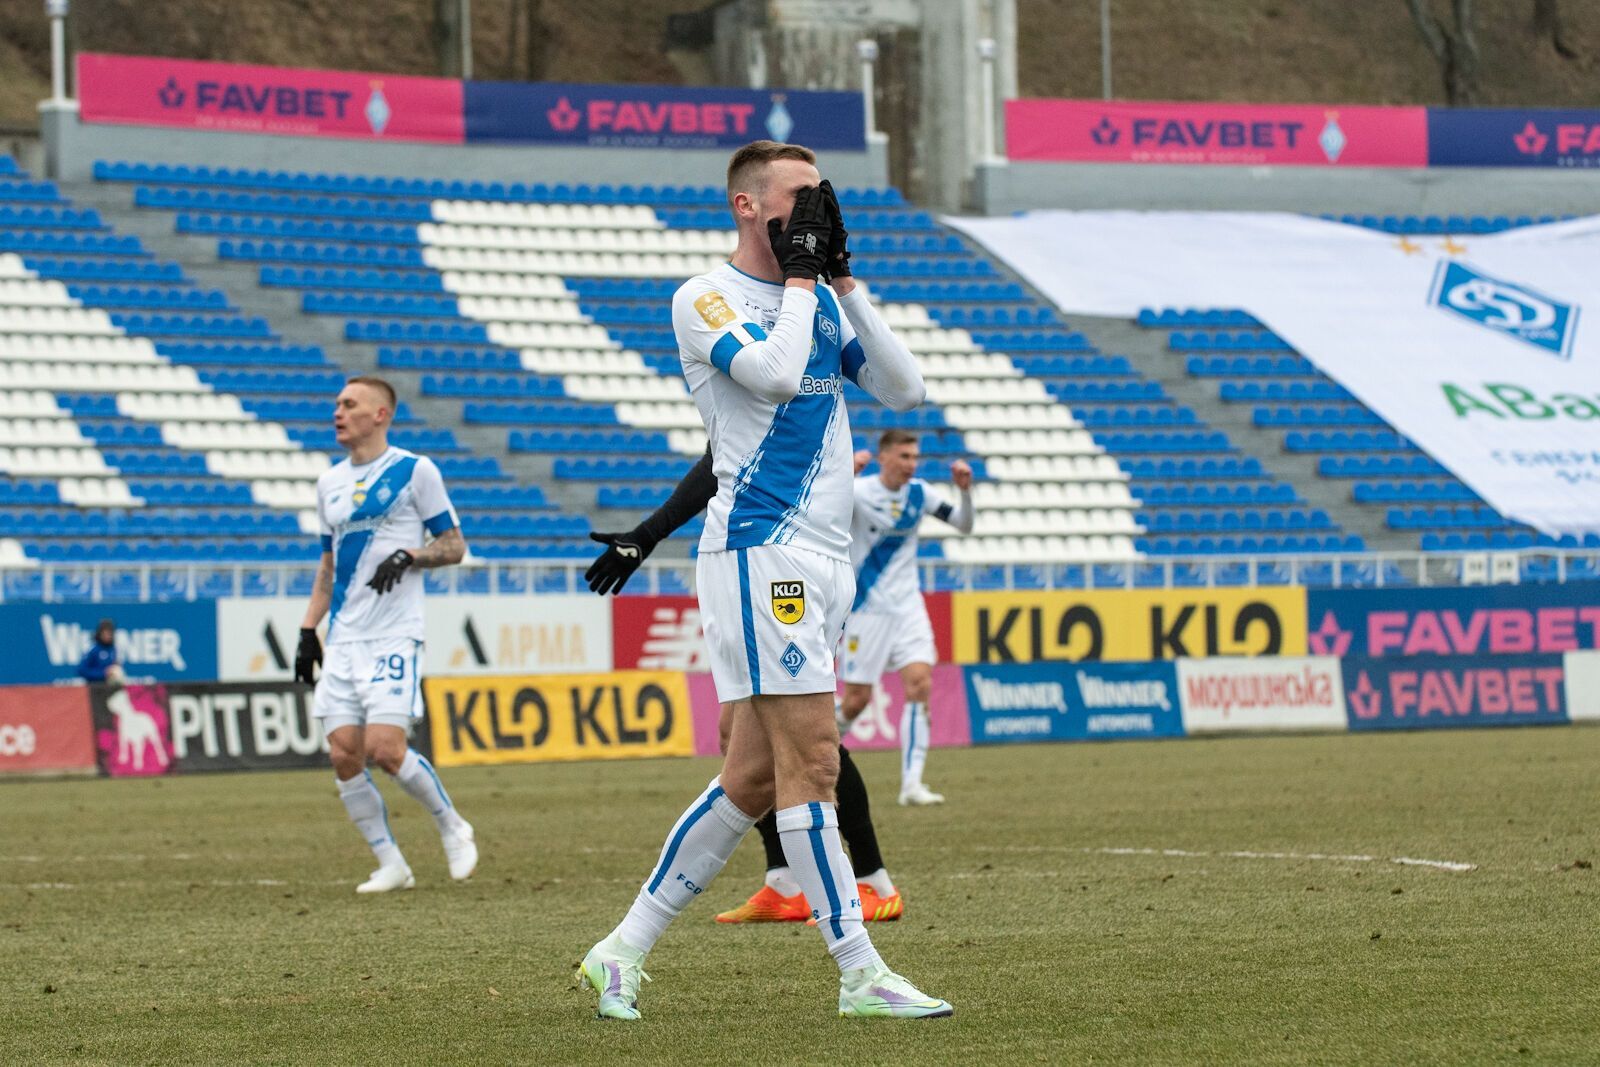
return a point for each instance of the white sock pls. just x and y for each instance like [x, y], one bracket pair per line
[781, 881]
[365, 805]
[810, 836]
[913, 744]
[879, 881]
[839, 718]
[421, 782]
[696, 850]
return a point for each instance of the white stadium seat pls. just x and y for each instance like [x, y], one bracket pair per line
[535, 335]
[564, 216]
[97, 493]
[56, 432]
[28, 403]
[71, 349]
[180, 407]
[475, 283]
[16, 293]
[286, 493]
[68, 320]
[52, 461]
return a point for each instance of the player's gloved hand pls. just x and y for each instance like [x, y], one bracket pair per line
[307, 657]
[390, 571]
[802, 245]
[838, 262]
[624, 552]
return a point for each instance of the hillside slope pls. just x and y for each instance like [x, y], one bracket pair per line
[1334, 51]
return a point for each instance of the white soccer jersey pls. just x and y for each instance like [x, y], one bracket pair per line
[366, 513]
[883, 541]
[783, 469]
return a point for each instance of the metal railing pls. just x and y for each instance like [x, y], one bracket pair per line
[56, 582]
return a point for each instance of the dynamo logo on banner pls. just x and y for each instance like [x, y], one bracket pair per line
[1505, 307]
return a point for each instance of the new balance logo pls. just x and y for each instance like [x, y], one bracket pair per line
[673, 642]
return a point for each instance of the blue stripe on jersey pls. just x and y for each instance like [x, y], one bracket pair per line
[440, 523]
[774, 484]
[382, 495]
[673, 845]
[731, 344]
[852, 359]
[883, 552]
[747, 611]
[819, 853]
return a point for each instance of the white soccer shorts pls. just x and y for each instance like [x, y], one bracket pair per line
[366, 681]
[772, 617]
[879, 642]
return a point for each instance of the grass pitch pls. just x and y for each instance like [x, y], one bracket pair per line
[1187, 901]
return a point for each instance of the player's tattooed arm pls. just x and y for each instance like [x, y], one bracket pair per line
[443, 551]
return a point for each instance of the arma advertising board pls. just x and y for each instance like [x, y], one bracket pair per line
[149, 91]
[1128, 624]
[531, 719]
[517, 635]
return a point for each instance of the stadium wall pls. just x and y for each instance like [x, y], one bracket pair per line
[1003, 188]
[1369, 659]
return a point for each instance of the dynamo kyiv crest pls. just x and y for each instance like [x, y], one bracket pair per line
[1505, 307]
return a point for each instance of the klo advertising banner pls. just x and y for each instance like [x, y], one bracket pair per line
[1478, 349]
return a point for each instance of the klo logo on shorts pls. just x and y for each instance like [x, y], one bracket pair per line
[1505, 307]
[788, 602]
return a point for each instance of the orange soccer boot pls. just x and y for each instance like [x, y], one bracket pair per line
[769, 906]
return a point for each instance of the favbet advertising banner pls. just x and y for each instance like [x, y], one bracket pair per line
[1478, 349]
[146, 91]
[1494, 620]
[660, 116]
[1416, 692]
[1096, 131]
[1510, 137]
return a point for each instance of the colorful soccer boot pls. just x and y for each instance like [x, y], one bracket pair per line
[769, 906]
[614, 970]
[879, 993]
[875, 909]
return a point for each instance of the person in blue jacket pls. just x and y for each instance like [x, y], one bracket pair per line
[99, 664]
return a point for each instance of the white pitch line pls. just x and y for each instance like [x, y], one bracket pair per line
[1245, 854]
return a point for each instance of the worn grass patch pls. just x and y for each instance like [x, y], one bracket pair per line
[1220, 901]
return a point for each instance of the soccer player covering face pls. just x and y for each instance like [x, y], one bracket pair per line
[376, 507]
[764, 348]
[888, 627]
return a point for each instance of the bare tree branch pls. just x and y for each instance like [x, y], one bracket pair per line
[1547, 22]
[1454, 46]
[1428, 26]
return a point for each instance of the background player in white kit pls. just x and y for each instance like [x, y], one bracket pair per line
[374, 507]
[764, 351]
[888, 629]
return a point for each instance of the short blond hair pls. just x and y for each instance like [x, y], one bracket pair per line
[376, 383]
[750, 162]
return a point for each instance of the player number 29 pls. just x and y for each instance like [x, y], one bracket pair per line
[395, 666]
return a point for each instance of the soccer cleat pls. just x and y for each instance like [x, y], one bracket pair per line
[873, 907]
[919, 796]
[879, 993]
[389, 878]
[768, 906]
[460, 851]
[879, 909]
[614, 970]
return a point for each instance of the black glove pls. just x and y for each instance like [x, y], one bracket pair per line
[390, 570]
[838, 264]
[802, 246]
[624, 552]
[307, 657]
